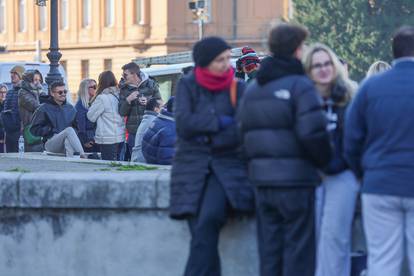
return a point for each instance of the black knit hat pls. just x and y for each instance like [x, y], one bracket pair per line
[207, 49]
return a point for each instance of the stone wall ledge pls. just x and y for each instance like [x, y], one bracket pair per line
[132, 190]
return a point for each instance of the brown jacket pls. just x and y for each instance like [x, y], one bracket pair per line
[28, 103]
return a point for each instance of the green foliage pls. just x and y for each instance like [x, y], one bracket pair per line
[18, 170]
[359, 31]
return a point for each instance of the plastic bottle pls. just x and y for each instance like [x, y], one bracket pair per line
[21, 146]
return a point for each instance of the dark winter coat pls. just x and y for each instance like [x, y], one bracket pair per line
[284, 127]
[158, 143]
[203, 149]
[86, 129]
[11, 105]
[28, 103]
[135, 111]
[51, 118]
[1, 124]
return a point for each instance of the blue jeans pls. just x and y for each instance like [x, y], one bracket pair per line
[389, 228]
[335, 205]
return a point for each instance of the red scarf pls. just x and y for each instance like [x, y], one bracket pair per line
[213, 82]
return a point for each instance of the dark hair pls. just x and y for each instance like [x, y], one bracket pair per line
[170, 104]
[106, 79]
[132, 67]
[29, 74]
[403, 42]
[152, 104]
[284, 39]
[56, 84]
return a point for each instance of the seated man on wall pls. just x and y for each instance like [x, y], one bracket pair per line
[158, 143]
[152, 109]
[54, 121]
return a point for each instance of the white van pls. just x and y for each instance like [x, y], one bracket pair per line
[167, 77]
[167, 69]
[43, 68]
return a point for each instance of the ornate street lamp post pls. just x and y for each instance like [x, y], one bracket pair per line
[54, 55]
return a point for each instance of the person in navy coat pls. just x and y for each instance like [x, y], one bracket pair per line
[159, 139]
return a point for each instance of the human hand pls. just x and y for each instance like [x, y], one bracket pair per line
[132, 96]
[88, 145]
[225, 121]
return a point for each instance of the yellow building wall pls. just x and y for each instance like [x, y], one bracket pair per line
[166, 26]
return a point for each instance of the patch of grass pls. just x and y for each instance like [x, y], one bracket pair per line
[120, 167]
[18, 170]
[135, 168]
[104, 169]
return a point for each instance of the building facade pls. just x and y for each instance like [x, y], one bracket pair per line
[98, 35]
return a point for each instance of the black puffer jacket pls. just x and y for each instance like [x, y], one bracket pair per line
[284, 127]
[135, 111]
[203, 149]
[51, 118]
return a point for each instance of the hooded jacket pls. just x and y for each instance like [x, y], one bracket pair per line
[110, 127]
[28, 102]
[284, 127]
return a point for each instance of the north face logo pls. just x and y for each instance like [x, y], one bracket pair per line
[282, 94]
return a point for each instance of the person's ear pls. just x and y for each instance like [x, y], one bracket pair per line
[299, 52]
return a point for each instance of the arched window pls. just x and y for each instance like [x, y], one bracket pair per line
[138, 9]
[64, 14]
[86, 13]
[22, 15]
[42, 18]
[2, 16]
[109, 13]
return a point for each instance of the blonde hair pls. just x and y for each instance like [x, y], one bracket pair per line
[83, 92]
[378, 67]
[340, 75]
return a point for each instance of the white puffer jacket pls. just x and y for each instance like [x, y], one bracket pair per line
[110, 127]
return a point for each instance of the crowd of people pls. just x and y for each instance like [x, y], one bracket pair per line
[290, 138]
[102, 124]
[297, 144]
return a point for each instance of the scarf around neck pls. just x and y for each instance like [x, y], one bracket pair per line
[213, 82]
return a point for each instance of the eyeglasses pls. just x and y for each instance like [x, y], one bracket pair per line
[93, 86]
[61, 92]
[321, 65]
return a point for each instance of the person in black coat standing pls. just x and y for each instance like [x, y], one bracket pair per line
[209, 177]
[285, 139]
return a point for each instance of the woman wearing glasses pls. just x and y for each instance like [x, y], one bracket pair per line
[336, 197]
[110, 127]
[86, 129]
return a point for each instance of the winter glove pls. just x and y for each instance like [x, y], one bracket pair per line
[225, 121]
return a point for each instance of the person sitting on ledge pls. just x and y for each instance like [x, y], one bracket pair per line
[54, 121]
